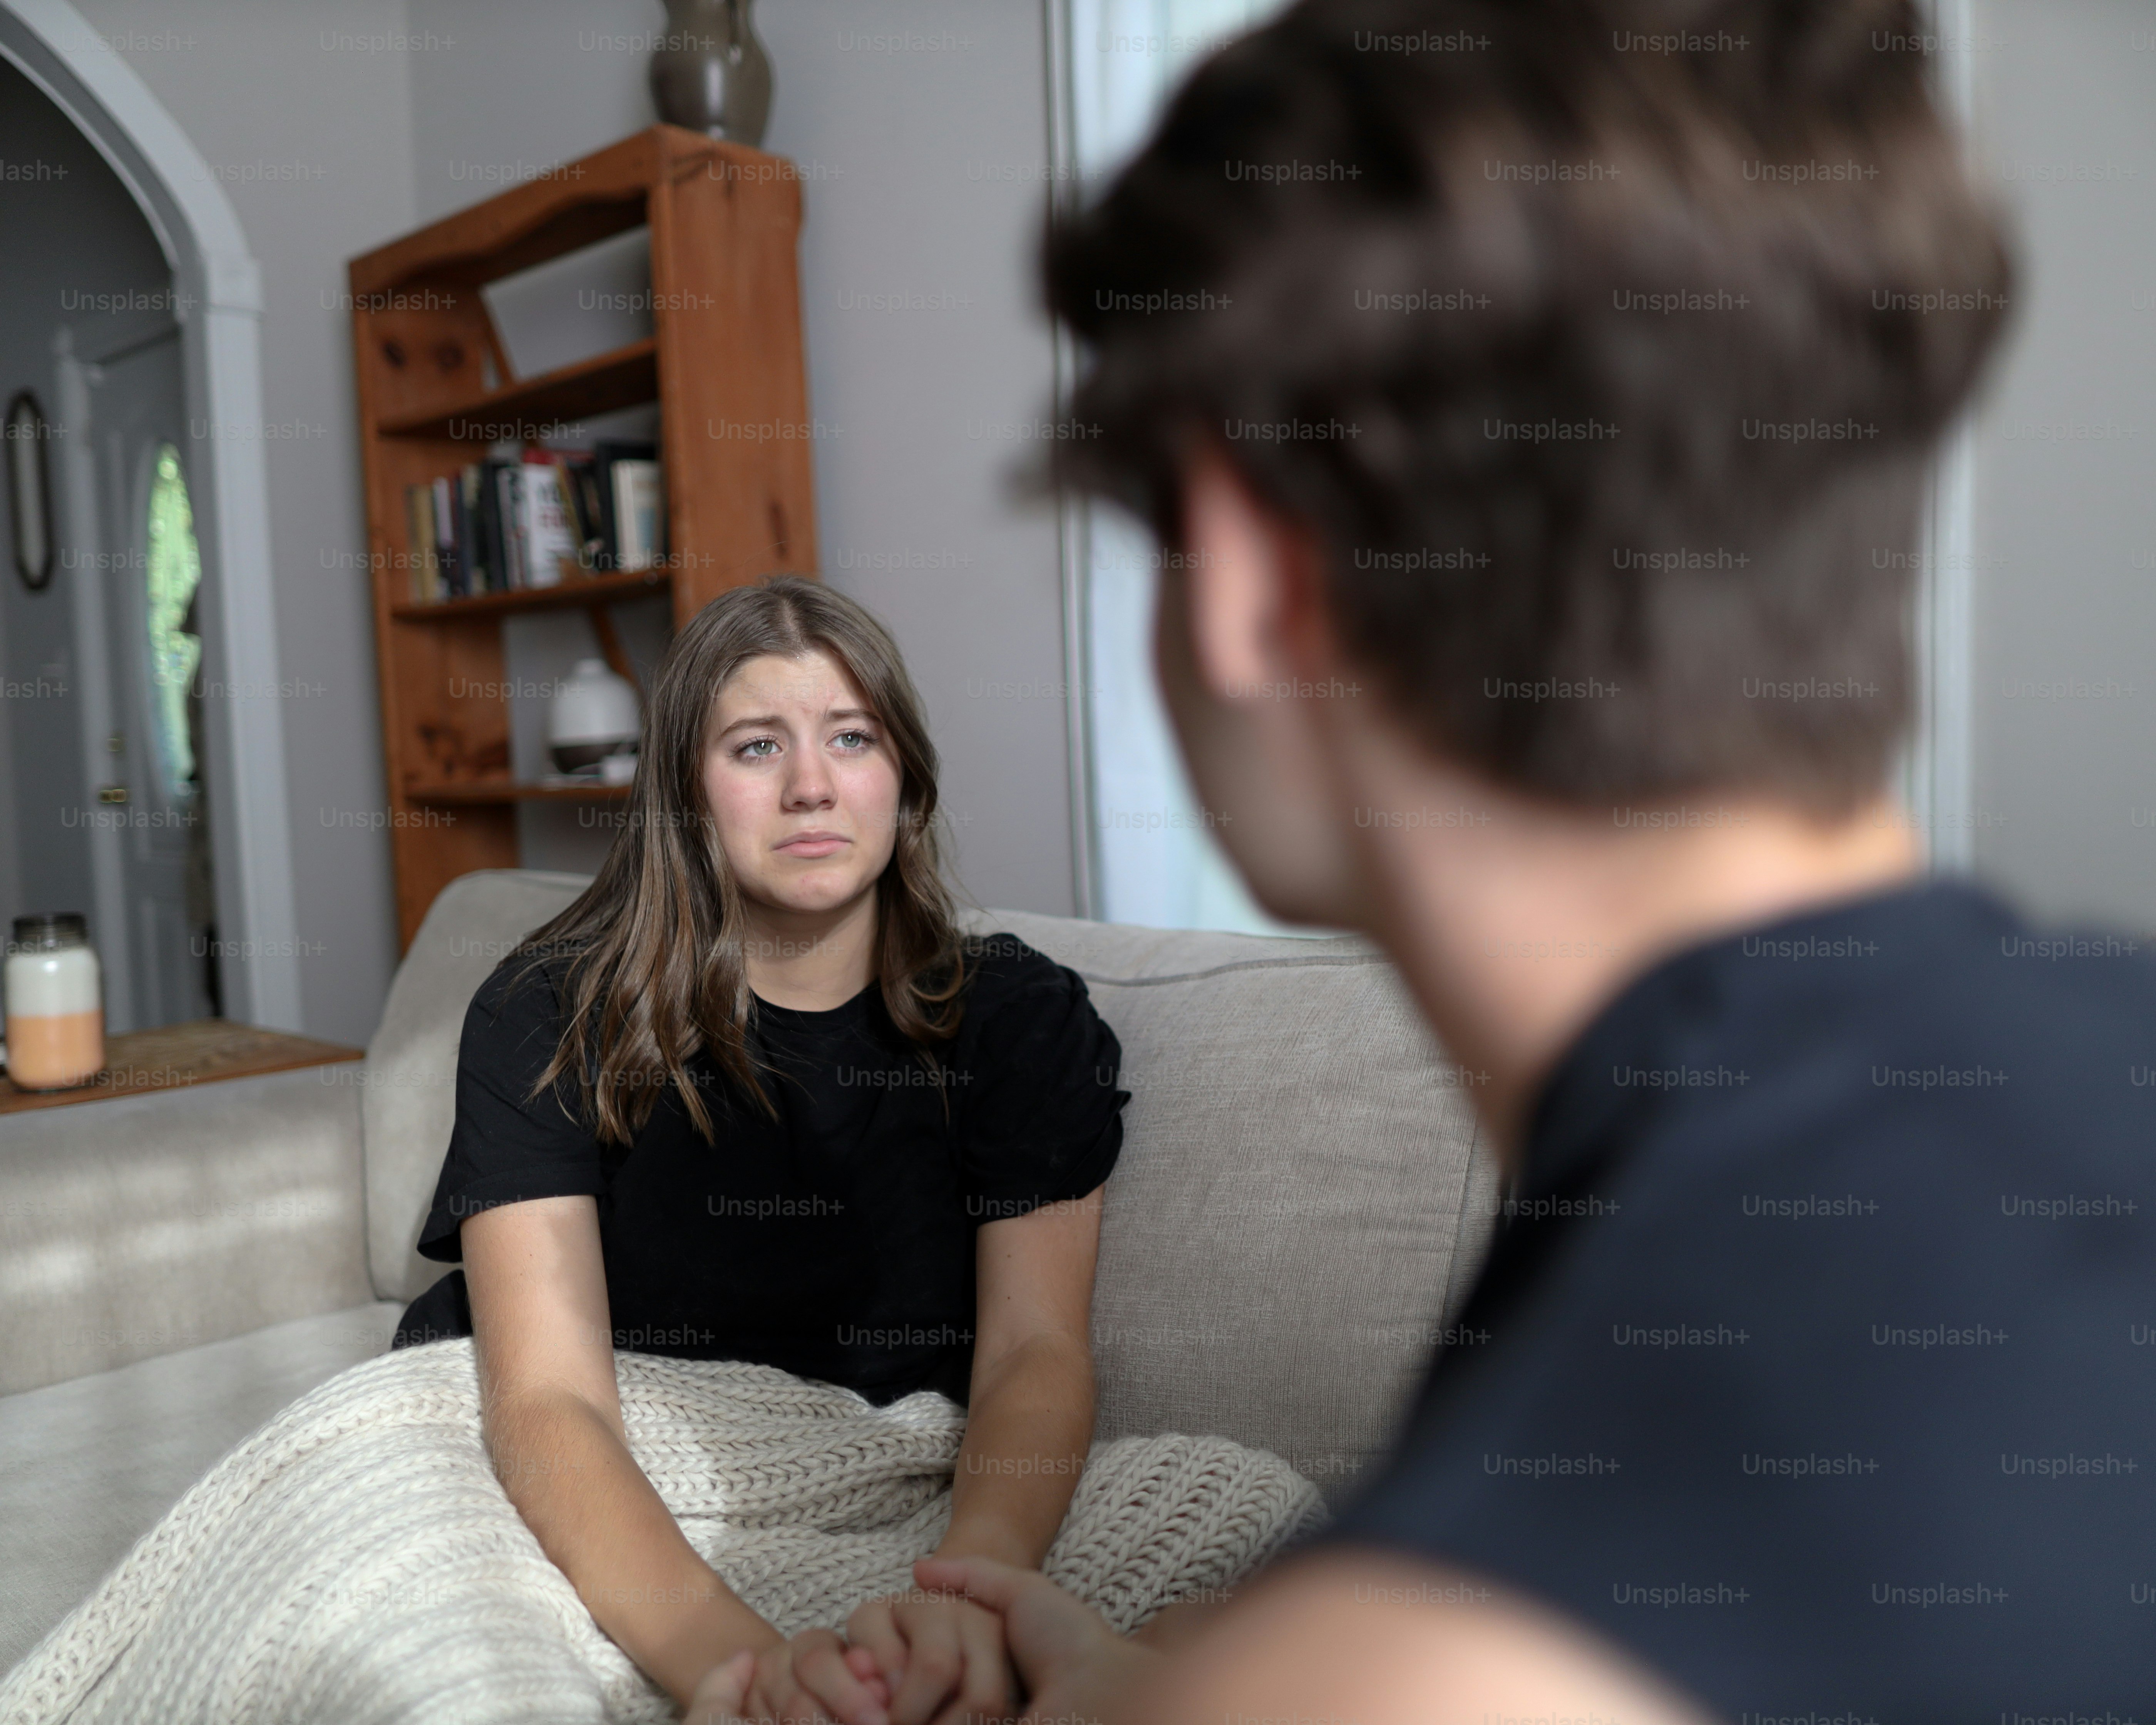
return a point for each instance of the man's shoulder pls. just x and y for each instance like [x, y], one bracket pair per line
[2034, 1042]
[1940, 1029]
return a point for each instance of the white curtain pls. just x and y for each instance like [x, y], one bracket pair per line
[1155, 861]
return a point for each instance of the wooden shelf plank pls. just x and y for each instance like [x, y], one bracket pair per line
[480, 790]
[623, 377]
[175, 1056]
[573, 205]
[586, 590]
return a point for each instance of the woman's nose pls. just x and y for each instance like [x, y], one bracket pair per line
[809, 786]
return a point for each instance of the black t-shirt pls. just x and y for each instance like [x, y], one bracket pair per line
[835, 1242]
[1815, 1360]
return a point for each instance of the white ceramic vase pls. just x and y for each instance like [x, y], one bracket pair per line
[594, 715]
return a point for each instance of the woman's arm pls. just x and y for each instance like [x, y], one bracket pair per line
[552, 1414]
[1029, 1423]
[552, 1420]
[1029, 1427]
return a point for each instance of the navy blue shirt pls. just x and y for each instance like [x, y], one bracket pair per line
[1815, 1359]
[836, 1241]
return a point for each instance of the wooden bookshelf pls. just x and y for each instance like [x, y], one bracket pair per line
[435, 386]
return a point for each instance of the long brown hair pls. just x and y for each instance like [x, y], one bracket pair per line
[658, 973]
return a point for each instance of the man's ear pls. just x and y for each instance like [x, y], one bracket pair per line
[1250, 579]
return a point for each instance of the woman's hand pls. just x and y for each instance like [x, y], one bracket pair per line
[1074, 1666]
[942, 1656]
[812, 1679]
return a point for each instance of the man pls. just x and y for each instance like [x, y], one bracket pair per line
[1543, 435]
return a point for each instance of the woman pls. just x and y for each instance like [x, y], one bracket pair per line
[754, 1097]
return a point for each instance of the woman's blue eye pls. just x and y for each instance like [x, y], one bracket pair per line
[758, 743]
[854, 739]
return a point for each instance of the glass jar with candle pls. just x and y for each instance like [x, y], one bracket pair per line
[55, 1001]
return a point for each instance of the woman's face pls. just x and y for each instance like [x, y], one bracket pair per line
[802, 782]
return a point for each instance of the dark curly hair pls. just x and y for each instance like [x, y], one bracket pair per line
[1600, 343]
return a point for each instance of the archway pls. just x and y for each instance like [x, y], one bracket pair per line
[219, 290]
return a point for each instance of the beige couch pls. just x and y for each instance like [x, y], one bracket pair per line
[1300, 1204]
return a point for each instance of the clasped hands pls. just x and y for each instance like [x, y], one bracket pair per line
[953, 1654]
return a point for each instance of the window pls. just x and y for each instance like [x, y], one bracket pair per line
[175, 572]
[1155, 858]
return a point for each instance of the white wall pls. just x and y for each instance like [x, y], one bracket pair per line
[921, 183]
[339, 123]
[2065, 568]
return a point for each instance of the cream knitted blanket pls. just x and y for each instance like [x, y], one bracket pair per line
[357, 1561]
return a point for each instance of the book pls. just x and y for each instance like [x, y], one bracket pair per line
[591, 515]
[451, 581]
[579, 493]
[420, 538]
[604, 454]
[479, 562]
[496, 540]
[543, 519]
[426, 584]
[508, 513]
[639, 514]
[501, 526]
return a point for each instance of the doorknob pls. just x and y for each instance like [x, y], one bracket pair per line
[112, 794]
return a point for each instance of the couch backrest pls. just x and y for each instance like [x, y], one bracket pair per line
[408, 1099]
[1302, 1199]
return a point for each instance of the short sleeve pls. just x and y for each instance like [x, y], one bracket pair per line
[504, 1149]
[1043, 1111]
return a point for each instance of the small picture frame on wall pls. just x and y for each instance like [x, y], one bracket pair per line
[29, 489]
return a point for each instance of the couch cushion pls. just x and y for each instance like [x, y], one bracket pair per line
[137, 1225]
[1302, 1198]
[87, 1467]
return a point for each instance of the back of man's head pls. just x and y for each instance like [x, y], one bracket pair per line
[1599, 344]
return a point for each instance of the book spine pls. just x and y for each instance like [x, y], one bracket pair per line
[609, 533]
[488, 542]
[509, 492]
[583, 478]
[546, 527]
[419, 522]
[460, 539]
[497, 533]
[445, 540]
[478, 566]
[639, 513]
[568, 476]
[569, 545]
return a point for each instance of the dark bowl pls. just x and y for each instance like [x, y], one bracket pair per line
[572, 756]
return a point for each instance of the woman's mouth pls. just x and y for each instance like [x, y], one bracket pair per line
[813, 844]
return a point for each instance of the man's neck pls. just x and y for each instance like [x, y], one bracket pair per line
[1515, 922]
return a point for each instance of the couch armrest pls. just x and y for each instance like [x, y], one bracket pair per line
[140, 1225]
[408, 1086]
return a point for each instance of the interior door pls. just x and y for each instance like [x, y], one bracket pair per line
[152, 796]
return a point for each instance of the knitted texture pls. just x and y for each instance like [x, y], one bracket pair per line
[357, 1562]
